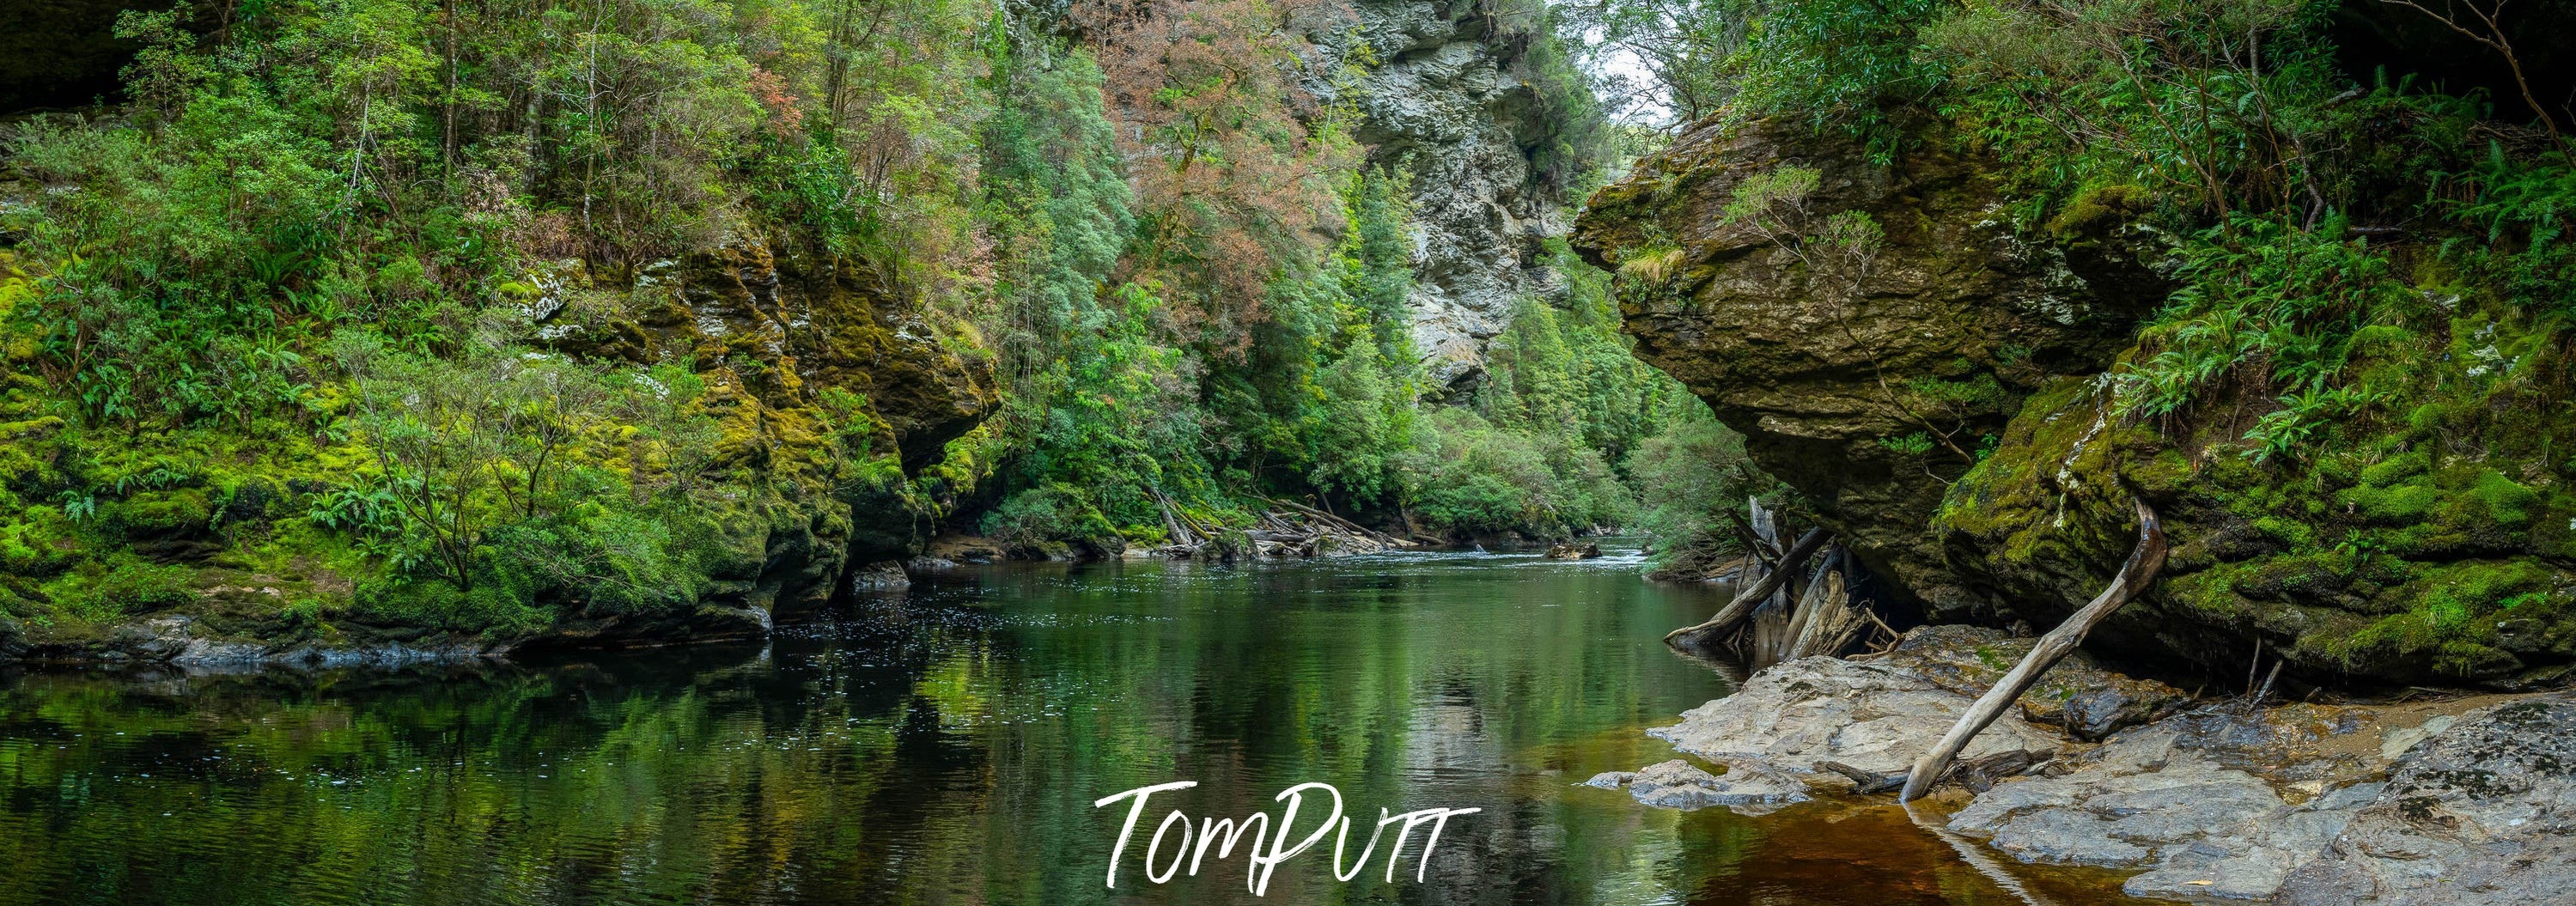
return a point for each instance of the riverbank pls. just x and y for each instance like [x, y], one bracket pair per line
[2464, 799]
[232, 629]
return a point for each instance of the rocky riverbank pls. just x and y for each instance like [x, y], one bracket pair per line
[2452, 799]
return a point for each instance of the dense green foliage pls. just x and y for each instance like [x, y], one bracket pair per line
[262, 333]
[358, 315]
[1215, 329]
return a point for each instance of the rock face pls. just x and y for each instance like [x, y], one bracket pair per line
[2483, 813]
[2388, 564]
[1959, 316]
[1446, 105]
[798, 351]
[1798, 716]
[2428, 540]
[2304, 801]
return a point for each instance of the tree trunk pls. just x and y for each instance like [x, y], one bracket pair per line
[1745, 600]
[2144, 561]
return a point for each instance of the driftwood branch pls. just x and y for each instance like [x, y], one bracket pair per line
[1745, 599]
[1290, 530]
[2144, 560]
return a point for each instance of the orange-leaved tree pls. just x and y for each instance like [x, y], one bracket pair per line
[1230, 155]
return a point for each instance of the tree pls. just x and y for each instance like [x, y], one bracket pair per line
[1230, 156]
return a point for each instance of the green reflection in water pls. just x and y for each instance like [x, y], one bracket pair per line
[944, 747]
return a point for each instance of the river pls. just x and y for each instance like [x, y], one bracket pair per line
[946, 745]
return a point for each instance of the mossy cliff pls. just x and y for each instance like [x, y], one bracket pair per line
[2434, 544]
[812, 436]
[828, 382]
[2414, 528]
[1955, 321]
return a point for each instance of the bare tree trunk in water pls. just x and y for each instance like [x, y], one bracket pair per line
[2144, 561]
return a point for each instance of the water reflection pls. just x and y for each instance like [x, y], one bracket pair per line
[944, 746]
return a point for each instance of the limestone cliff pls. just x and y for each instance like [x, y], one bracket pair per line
[1445, 104]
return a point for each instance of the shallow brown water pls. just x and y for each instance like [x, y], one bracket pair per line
[945, 747]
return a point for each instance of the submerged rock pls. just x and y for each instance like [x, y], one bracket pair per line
[927, 565]
[1572, 551]
[1674, 784]
[1747, 787]
[883, 575]
[2483, 813]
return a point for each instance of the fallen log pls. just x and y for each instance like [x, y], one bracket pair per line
[1749, 597]
[1344, 526]
[2144, 560]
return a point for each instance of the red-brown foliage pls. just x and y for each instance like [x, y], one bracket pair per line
[1227, 152]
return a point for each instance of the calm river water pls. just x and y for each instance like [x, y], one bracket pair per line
[945, 747]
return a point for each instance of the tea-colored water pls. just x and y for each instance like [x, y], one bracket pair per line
[945, 747]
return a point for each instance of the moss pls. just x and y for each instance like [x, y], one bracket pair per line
[2097, 209]
[234, 505]
[2394, 470]
[99, 591]
[2289, 533]
[161, 513]
[1994, 660]
[2396, 505]
[2448, 619]
[2507, 502]
[2422, 541]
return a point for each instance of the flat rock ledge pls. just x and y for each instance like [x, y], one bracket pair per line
[2076, 697]
[2201, 828]
[1874, 718]
[2484, 812]
[2468, 802]
[2312, 805]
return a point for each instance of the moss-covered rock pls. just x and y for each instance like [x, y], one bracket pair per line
[1959, 318]
[2425, 540]
[829, 389]
[2416, 527]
